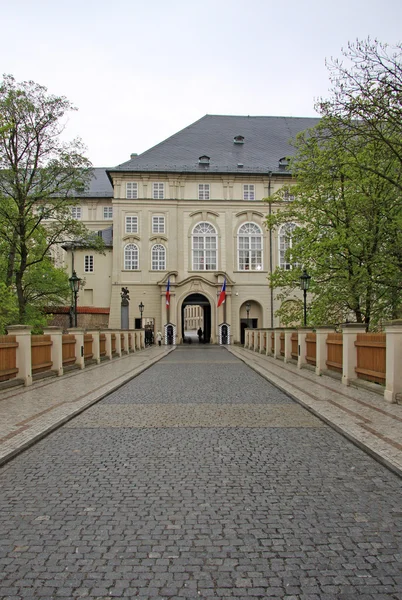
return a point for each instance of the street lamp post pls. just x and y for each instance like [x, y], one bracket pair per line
[141, 307]
[248, 306]
[74, 282]
[305, 284]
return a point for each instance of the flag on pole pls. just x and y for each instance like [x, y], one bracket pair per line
[222, 295]
[168, 293]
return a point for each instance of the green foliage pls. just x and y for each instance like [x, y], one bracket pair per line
[348, 195]
[348, 236]
[8, 307]
[41, 178]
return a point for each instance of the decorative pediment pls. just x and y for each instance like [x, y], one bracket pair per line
[204, 214]
[158, 239]
[249, 214]
[131, 238]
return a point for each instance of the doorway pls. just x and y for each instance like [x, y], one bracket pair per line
[203, 313]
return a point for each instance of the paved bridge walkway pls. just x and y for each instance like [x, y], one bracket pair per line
[198, 478]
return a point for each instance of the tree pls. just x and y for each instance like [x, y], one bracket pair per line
[41, 178]
[348, 236]
[366, 101]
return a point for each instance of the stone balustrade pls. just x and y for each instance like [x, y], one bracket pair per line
[354, 356]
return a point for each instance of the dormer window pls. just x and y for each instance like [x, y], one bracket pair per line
[204, 160]
[238, 139]
[283, 162]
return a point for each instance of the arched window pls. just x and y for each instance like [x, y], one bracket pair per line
[158, 257]
[249, 247]
[131, 257]
[204, 247]
[285, 243]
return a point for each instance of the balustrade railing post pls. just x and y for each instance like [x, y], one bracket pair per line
[321, 334]
[24, 353]
[118, 342]
[95, 344]
[349, 350]
[56, 335]
[78, 333]
[393, 381]
[302, 333]
[277, 347]
[288, 344]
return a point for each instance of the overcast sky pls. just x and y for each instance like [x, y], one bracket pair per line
[139, 71]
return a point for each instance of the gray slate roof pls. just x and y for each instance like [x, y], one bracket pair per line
[266, 141]
[99, 185]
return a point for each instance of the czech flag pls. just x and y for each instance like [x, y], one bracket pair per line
[222, 295]
[168, 293]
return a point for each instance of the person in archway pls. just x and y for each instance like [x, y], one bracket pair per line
[199, 333]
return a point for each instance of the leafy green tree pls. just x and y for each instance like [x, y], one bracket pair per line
[348, 236]
[41, 178]
[366, 100]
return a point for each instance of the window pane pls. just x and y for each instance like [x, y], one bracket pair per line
[132, 190]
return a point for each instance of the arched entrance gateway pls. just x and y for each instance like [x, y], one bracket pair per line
[200, 300]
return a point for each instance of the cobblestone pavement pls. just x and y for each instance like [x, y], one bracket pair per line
[199, 479]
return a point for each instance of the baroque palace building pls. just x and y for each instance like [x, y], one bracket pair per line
[190, 211]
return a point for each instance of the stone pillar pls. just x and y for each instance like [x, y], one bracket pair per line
[393, 384]
[108, 344]
[142, 339]
[56, 335]
[277, 349]
[349, 332]
[78, 333]
[126, 348]
[321, 348]
[288, 344]
[23, 352]
[302, 346]
[95, 344]
[118, 342]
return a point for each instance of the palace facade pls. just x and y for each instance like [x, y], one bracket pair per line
[191, 211]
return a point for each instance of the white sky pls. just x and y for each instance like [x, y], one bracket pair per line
[139, 71]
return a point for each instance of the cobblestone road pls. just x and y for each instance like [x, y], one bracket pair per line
[198, 479]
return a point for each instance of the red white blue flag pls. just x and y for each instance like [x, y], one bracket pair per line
[168, 293]
[222, 295]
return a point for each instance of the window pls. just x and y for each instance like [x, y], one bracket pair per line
[249, 247]
[203, 191]
[158, 191]
[76, 212]
[108, 212]
[88, 263]
[204, 247]
[158, 224]
[131, 257]
[288, 197]
[248, 191]
[131, 224]
[132, 190]
[158, 257]
[285, 244]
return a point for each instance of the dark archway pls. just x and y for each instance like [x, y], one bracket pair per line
[199, 300]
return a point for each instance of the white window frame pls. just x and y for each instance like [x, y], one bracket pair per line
[248, 191]
[250, 247]
[76, 213]
[131, 224]
[203, 191]
[158, 190]
[89, 265]
[158, 258]
[131, 257]
[204, 247]
[158, 224]
[108, 213]
[131, 190]
[284, 243]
